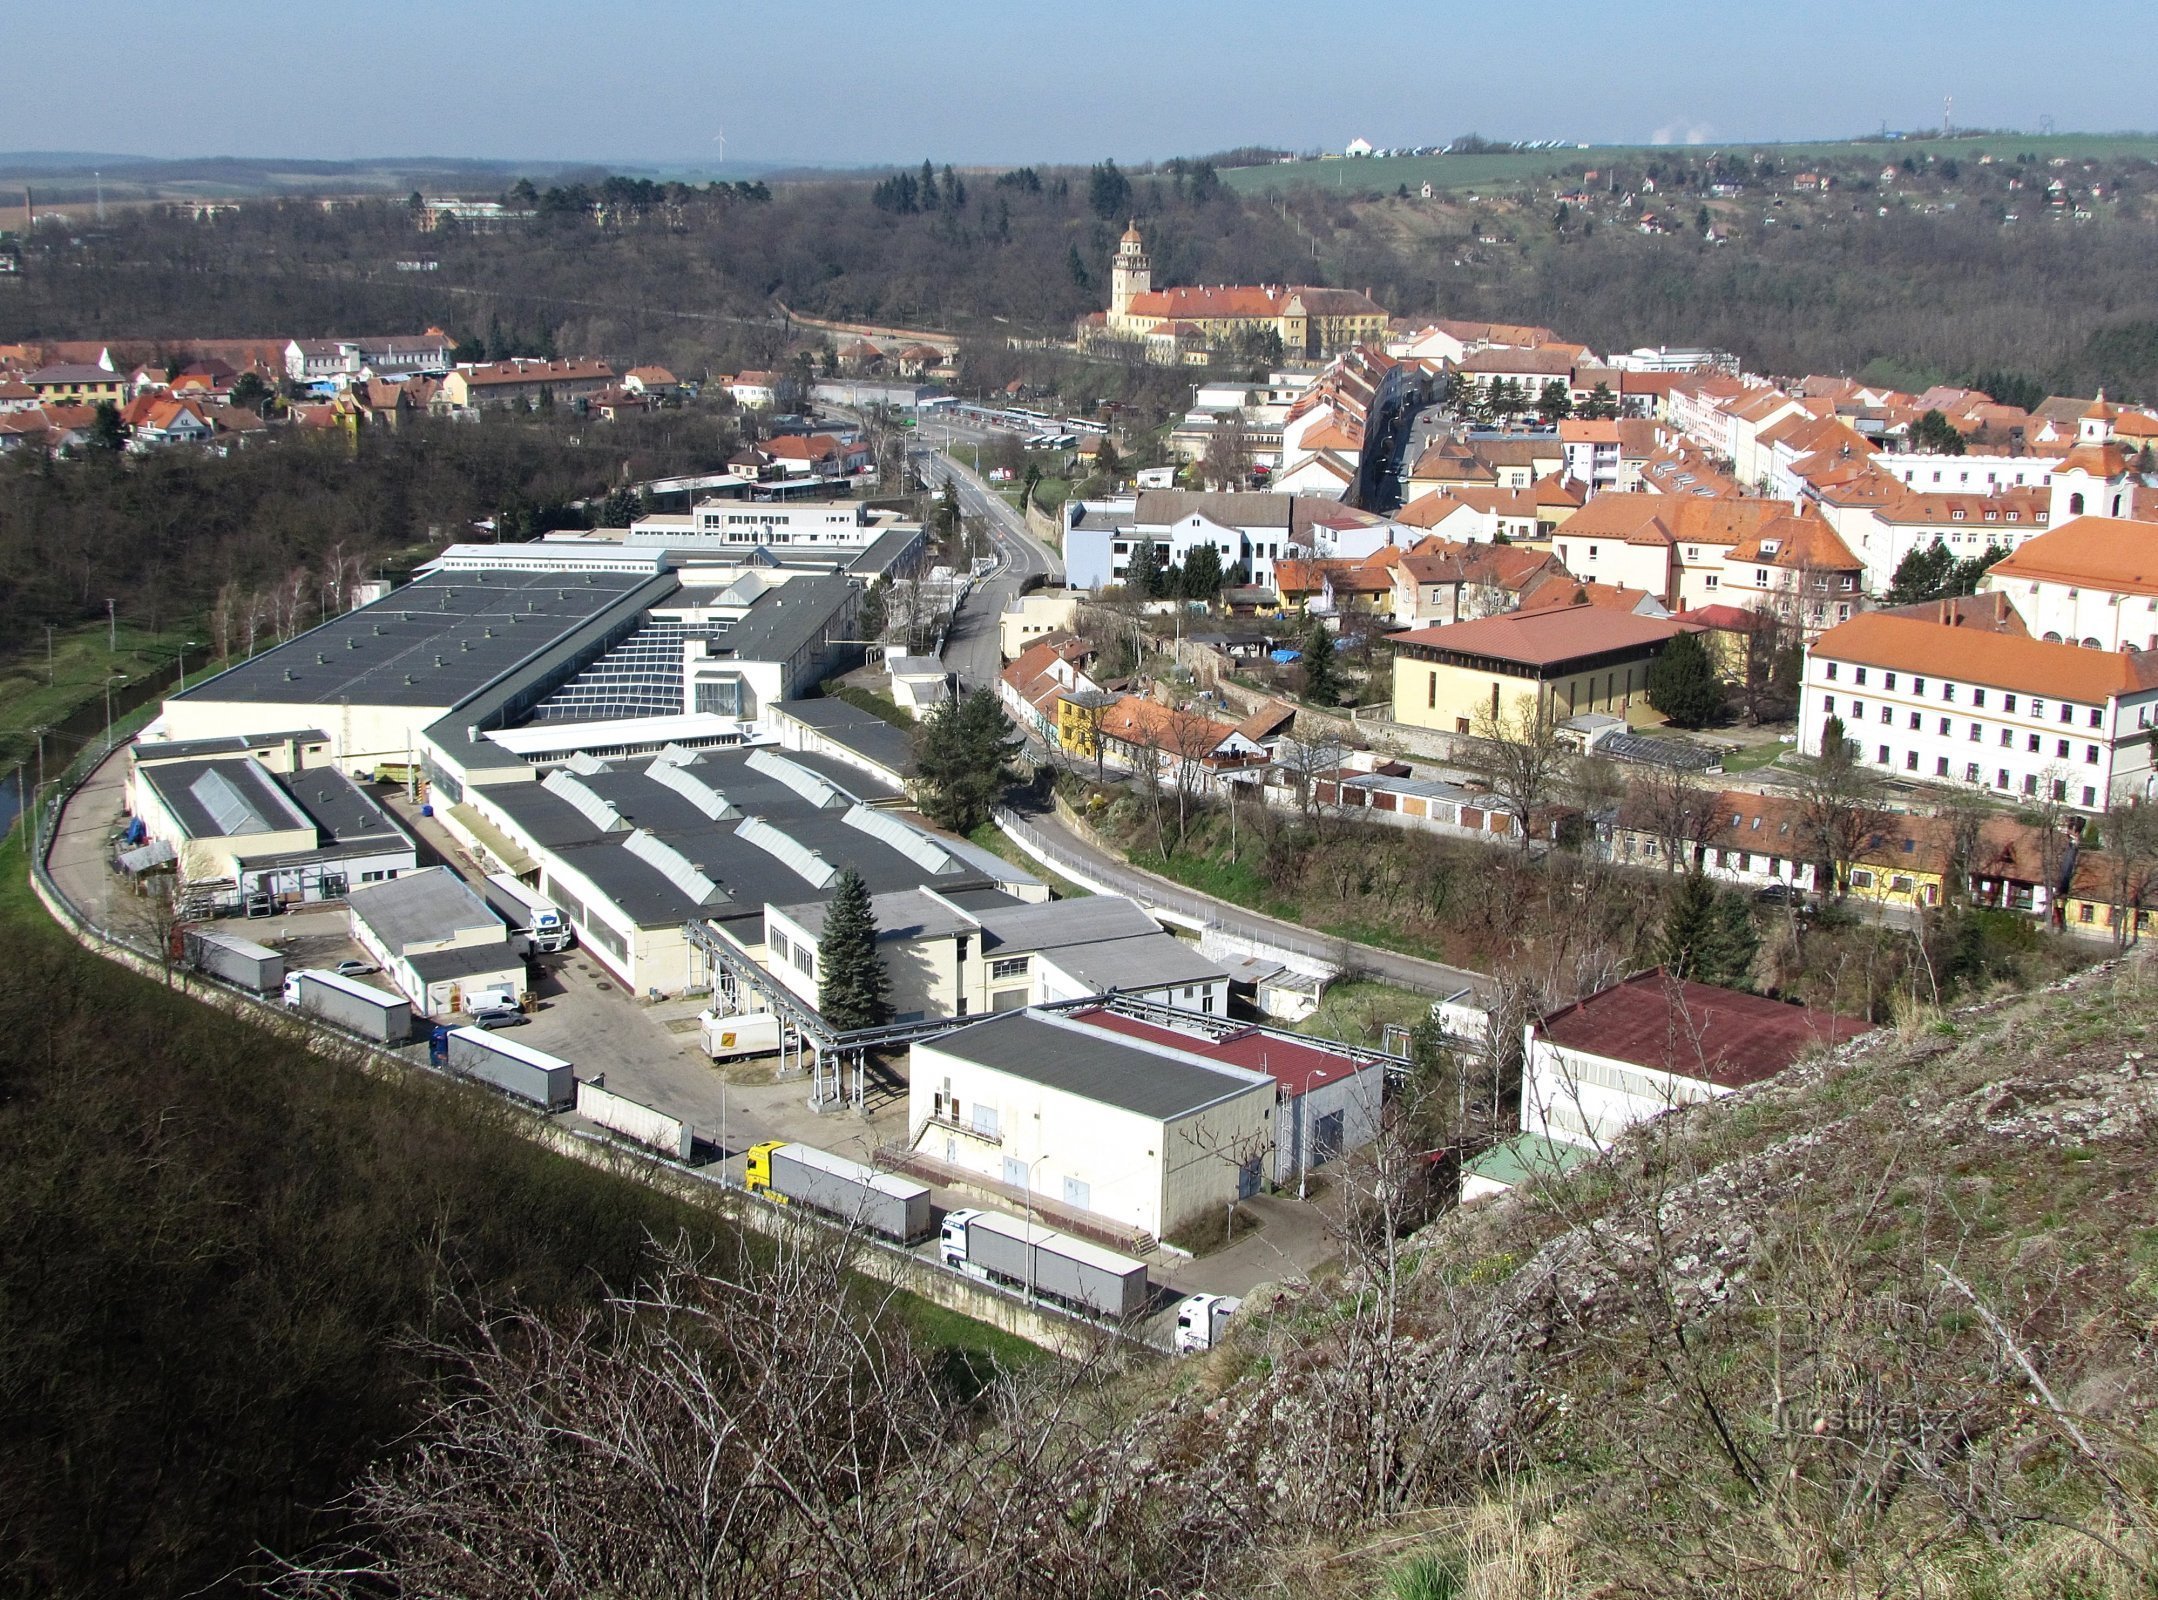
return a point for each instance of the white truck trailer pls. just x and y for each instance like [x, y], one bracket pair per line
[528, 912]
[532, 1076]
[236, 960]
[743, 1033]
[362, 1008]
[1054, 1266]
[846, 1191]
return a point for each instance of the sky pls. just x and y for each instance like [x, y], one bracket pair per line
[995, 82]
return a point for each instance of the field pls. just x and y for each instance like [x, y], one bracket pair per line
[1518, 168]
[33, 696]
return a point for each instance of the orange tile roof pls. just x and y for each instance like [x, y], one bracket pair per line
[2099, 460]
[1546, 638]
[1138, 721]
[2092, 552]
[1976, 655]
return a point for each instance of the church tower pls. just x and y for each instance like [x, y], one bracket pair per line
[1129, 274]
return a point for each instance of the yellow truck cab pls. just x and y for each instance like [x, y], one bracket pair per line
[757, 1171]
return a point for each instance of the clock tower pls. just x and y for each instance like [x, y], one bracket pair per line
[1129, 274]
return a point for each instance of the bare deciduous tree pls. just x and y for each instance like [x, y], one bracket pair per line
[1516, 750]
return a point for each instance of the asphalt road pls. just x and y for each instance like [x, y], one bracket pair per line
[1149, 889]
[971, 648]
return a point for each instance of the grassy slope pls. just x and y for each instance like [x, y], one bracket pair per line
[82, 660]
[217, 1239]
[1570, 1370]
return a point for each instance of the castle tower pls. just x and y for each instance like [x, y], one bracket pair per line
[1129, 274]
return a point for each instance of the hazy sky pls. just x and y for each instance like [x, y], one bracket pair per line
[983, 81]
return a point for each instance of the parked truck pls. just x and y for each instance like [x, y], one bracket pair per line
[1026, 1256]
[364, 1009]
[744, 1033]
[236, 960]
[833, 1186]
[1202, 1320]
[533, 1076]
[528, 912]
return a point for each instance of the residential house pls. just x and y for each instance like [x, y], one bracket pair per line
[518, 382]
[2092, 581]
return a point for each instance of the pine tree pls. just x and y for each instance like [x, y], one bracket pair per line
[1143, 576]
[1322, 674]
[1689, 926]
[853, 990]
[1726, 957]
[1555, 404]
[964, 755]
[1683, 684]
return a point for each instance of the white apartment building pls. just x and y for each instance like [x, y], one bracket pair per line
[2093, 582]
[1949, 701]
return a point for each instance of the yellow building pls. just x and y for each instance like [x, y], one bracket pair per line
[1309, 321]
[1079, 716]
[1573, 659]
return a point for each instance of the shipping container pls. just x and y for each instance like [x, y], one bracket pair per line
[846, 1191]
[364, 1009]
[746, 1033]
[1026, 1256]
[531, 1075]
[236, 960]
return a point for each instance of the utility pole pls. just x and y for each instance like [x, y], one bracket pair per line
[50, 680]
[112, 628]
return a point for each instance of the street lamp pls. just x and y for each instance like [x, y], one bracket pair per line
[183, 663]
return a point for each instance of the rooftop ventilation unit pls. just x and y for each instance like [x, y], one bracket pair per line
[916, 846]
[797, 857]
[566, 786]
[801, 780]
[674, 866]
[669, 775]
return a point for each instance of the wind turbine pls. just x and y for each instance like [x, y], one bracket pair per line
[720, 139]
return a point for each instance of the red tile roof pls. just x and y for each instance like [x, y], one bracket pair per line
[1296, 1066]
[1692, 1030]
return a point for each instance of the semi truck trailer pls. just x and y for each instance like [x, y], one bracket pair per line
[530, 1075]
[236, 960]
[528, 912]
[798, 1174]
[365, 1010]
[1029, 1257]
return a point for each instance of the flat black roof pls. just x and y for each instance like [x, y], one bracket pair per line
[224, 797]
[864, 732]
[747, 876]
[434, 642]
[344, 813]
[1093, 1065]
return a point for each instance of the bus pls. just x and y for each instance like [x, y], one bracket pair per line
[1081, 425]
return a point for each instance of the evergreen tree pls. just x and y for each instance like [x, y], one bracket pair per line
[876, 611]
[1108, 192]
[1322, 673]
[1689, 926]
[852, 988]
[1934, 432]
[1601, 405]
[1143, 576]
[1201, 577]
[1555, 404]
[1683, 683]
[964, 751]
[1726, 957]
[1924, 574]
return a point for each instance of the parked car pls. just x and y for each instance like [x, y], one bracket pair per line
[353, 969]
[1780, 894]
[499, 1017]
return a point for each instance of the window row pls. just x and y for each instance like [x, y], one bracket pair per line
[2095, 715]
